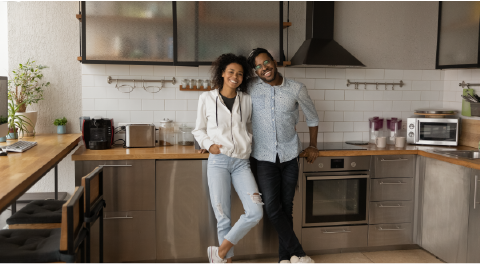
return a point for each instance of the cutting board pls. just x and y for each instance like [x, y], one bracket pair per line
[466, 111]
[470, 133]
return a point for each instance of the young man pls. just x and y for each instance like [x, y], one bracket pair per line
[276, 146]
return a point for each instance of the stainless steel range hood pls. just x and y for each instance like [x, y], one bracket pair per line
[319, 49]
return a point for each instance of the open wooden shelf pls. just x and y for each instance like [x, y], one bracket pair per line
[79, 17]
[287, 24]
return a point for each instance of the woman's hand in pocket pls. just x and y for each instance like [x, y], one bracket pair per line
[215, 149]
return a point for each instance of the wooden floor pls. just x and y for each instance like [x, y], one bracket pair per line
[395, 256]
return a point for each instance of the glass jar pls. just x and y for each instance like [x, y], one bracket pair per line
[394, 126]
[166, 134]
[375, 128]
[185, 136]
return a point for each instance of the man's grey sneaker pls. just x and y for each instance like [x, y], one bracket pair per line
[305, 259]
[285, 261]
[213, 255]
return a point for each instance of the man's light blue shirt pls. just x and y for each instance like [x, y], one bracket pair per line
[274, 116]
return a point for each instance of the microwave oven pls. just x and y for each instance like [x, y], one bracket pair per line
[433, 131]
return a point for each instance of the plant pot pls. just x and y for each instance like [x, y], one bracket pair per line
[62, 129]
[31, 117]
[12, 133]
[3, 139]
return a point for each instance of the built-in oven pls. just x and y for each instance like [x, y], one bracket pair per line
[335, 191]
[433, 131]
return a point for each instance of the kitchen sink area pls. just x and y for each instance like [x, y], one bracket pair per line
[465, 154]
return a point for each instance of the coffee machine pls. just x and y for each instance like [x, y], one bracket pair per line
[97, 133]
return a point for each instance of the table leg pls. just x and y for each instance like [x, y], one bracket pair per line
[14, 207]
[56, 182]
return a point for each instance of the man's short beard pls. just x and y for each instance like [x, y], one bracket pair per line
[274, 76]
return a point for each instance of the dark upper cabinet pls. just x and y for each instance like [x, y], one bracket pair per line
[178, 33]
[458, 35]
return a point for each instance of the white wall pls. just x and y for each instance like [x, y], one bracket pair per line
[381, 34]
[3, 39]
[49, 33]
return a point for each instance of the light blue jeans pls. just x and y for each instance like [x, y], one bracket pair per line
[222, 172]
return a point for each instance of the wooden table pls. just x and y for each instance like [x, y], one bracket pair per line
[20, 171]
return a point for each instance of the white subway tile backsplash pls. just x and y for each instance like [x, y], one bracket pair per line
[141, 70]
[113, 93]
[431, 75]
[94, 92]
[192, 105]
[186, 71]
[393, 74]
[352, 136]
[88, 104]
[421, 85]
[140, 93]
[392, 95]
[164, 70]
[437, 85]
[451, 75]
[353, 116]
[363, 105]
[302, 127]
[320, 137]
[401, 106]
[141, 116]
[101, 80]
[106, 104]
[130, 104]
[411, 95]
[119, 116]
[309, 83]
[320, 114]
[94, 113]
[355, 74]
[373, 95]
[391, 114]
[360, 126]
[334, 95]
[418, 105]
[294, 72]
[382, 105]
[335, 73]
[430, 96]
[475, 74]
[317, 94]
[436, 104]
[153, 104]
[344, 106]
[204, 70]
[186, 116]
[325, 127]
[449, 96]
[333, 116]
[316, 73]
[332, 137]
[325, 105]
[341, 84]
[97, 69]
[301, 116]
[325, 84]
[367, 115]
[353, 95]
[176, 104]
[115, 69]
[166, 93]
[88, 80]
[464, 74]
[160, 115]
[374, 74]
[412, 75]
[186, 94]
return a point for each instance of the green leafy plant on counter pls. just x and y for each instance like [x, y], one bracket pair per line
[60, 121]
[25, 88]
[17, 123]
[3, 120]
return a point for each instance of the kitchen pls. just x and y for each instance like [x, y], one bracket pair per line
[397, 41]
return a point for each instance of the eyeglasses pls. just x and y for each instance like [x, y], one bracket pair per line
[259, 66]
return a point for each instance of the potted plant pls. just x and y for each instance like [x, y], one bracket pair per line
[61, 125]
[3, 133]
[17, 123]
[26, 88]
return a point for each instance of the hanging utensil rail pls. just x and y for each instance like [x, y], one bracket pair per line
[401, 83]
[110, 80]
[463, 84]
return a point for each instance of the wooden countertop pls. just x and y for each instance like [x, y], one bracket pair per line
[20, 171]
[182, 152]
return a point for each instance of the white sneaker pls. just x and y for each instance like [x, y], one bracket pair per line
[213, 255]
[305, 259]
[285, 261]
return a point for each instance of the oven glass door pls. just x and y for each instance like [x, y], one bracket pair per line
[438, 131]
[335, 200]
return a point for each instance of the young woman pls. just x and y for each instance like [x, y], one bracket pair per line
[224, 114]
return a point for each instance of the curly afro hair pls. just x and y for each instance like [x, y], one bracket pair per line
[221, 63]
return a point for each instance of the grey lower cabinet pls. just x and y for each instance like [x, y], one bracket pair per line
[445, 214]
[185, 221]
[129, 215]
[473, 251]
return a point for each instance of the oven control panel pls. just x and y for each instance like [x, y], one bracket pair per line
[337, 164]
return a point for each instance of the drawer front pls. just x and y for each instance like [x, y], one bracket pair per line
[394, 166]
[392, 189]
[390, 212]
[128, 237]
[127, 185]
[390, 234]
[320, 238]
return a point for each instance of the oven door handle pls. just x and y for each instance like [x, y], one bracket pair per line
[335, 232]
[399, 159]
[316, 178]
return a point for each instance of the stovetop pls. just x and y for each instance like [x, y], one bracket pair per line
[335, 146]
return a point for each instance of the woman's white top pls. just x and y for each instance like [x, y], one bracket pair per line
[217, 125]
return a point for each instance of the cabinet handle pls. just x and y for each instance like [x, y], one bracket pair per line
[399, 182]
[399, 159]
[387, 206]
[116, 165]
[336, 232]
[118, 217]
[390, 229]
[475, 193]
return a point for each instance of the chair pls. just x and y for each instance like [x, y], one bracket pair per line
[94, 203]
[49, 245]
